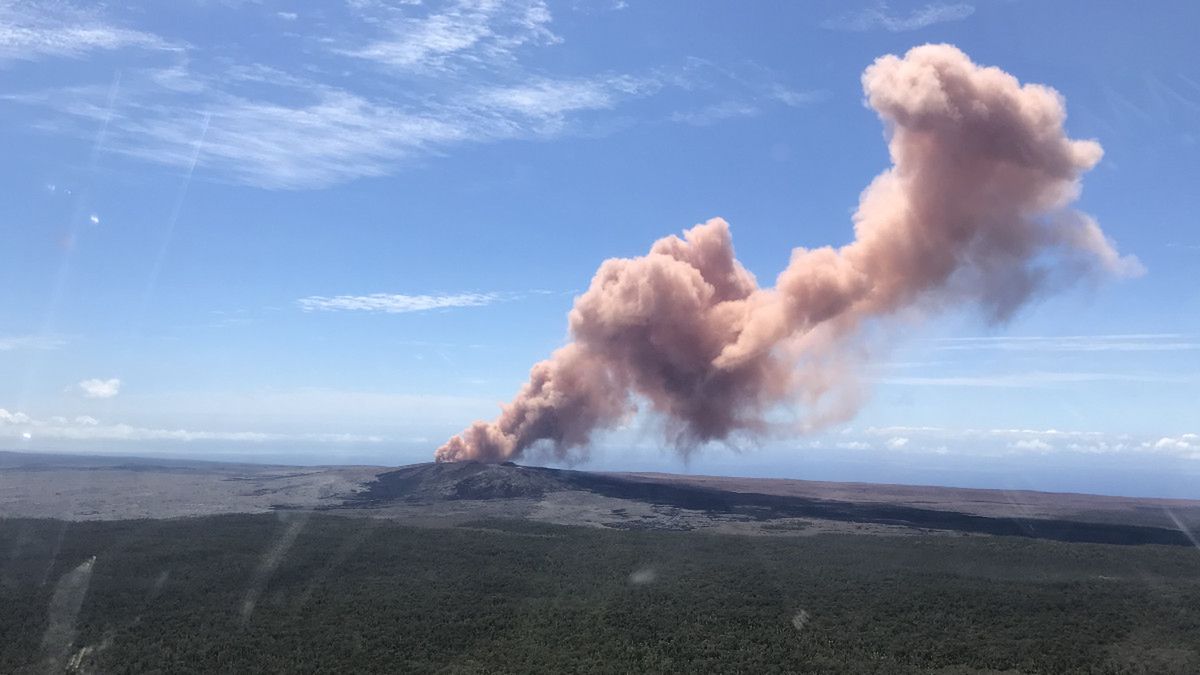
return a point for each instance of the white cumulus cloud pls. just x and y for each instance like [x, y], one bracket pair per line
[1183, 442]
[84, 428]
[97, 388]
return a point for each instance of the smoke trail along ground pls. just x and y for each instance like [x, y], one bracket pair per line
[974, 211]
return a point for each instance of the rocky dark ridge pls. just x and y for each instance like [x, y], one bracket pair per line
[478, 481]
[465, 480]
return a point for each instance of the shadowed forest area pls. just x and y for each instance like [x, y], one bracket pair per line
[294, 592]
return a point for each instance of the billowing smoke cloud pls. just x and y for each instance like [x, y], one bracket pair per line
[974, 210]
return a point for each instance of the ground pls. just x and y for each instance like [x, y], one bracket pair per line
[305, 592]
[111, 565]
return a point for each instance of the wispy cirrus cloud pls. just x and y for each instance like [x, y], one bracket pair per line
[442, 75]
[549, 98]
[1131, 342]
[757, 96]
[33, 30]
[796, 98]
[880, 17]
[463, 33]
[10, 343]
[1033, 379]
[175, 116]
[395, 303]
[717, 112]
[253, 141]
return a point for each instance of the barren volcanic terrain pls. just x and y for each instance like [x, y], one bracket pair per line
[101, 488]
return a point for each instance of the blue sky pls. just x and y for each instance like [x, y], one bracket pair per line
[332, 232]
